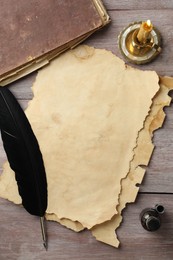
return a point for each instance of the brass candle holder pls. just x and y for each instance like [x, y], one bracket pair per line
[140, 42]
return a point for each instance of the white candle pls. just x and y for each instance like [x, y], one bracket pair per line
[144, 31]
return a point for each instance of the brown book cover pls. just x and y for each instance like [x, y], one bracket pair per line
[34, 32]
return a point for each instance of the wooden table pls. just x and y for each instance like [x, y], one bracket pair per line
[20, 236]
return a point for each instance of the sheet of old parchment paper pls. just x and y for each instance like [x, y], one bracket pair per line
[88, 113]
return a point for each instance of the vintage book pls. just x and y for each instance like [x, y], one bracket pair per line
[34, 32]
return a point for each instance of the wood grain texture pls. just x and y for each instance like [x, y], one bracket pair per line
[21, 239]
[138, 4]
[20, 236]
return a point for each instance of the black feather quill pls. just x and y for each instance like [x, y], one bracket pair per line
[23, 154]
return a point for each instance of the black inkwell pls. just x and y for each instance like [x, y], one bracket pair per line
[150, 217]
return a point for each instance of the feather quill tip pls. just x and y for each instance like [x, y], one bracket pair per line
[43, 233]
[45, 245]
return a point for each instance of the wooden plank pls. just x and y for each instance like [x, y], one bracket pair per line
[20, 236]
[138, 4]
